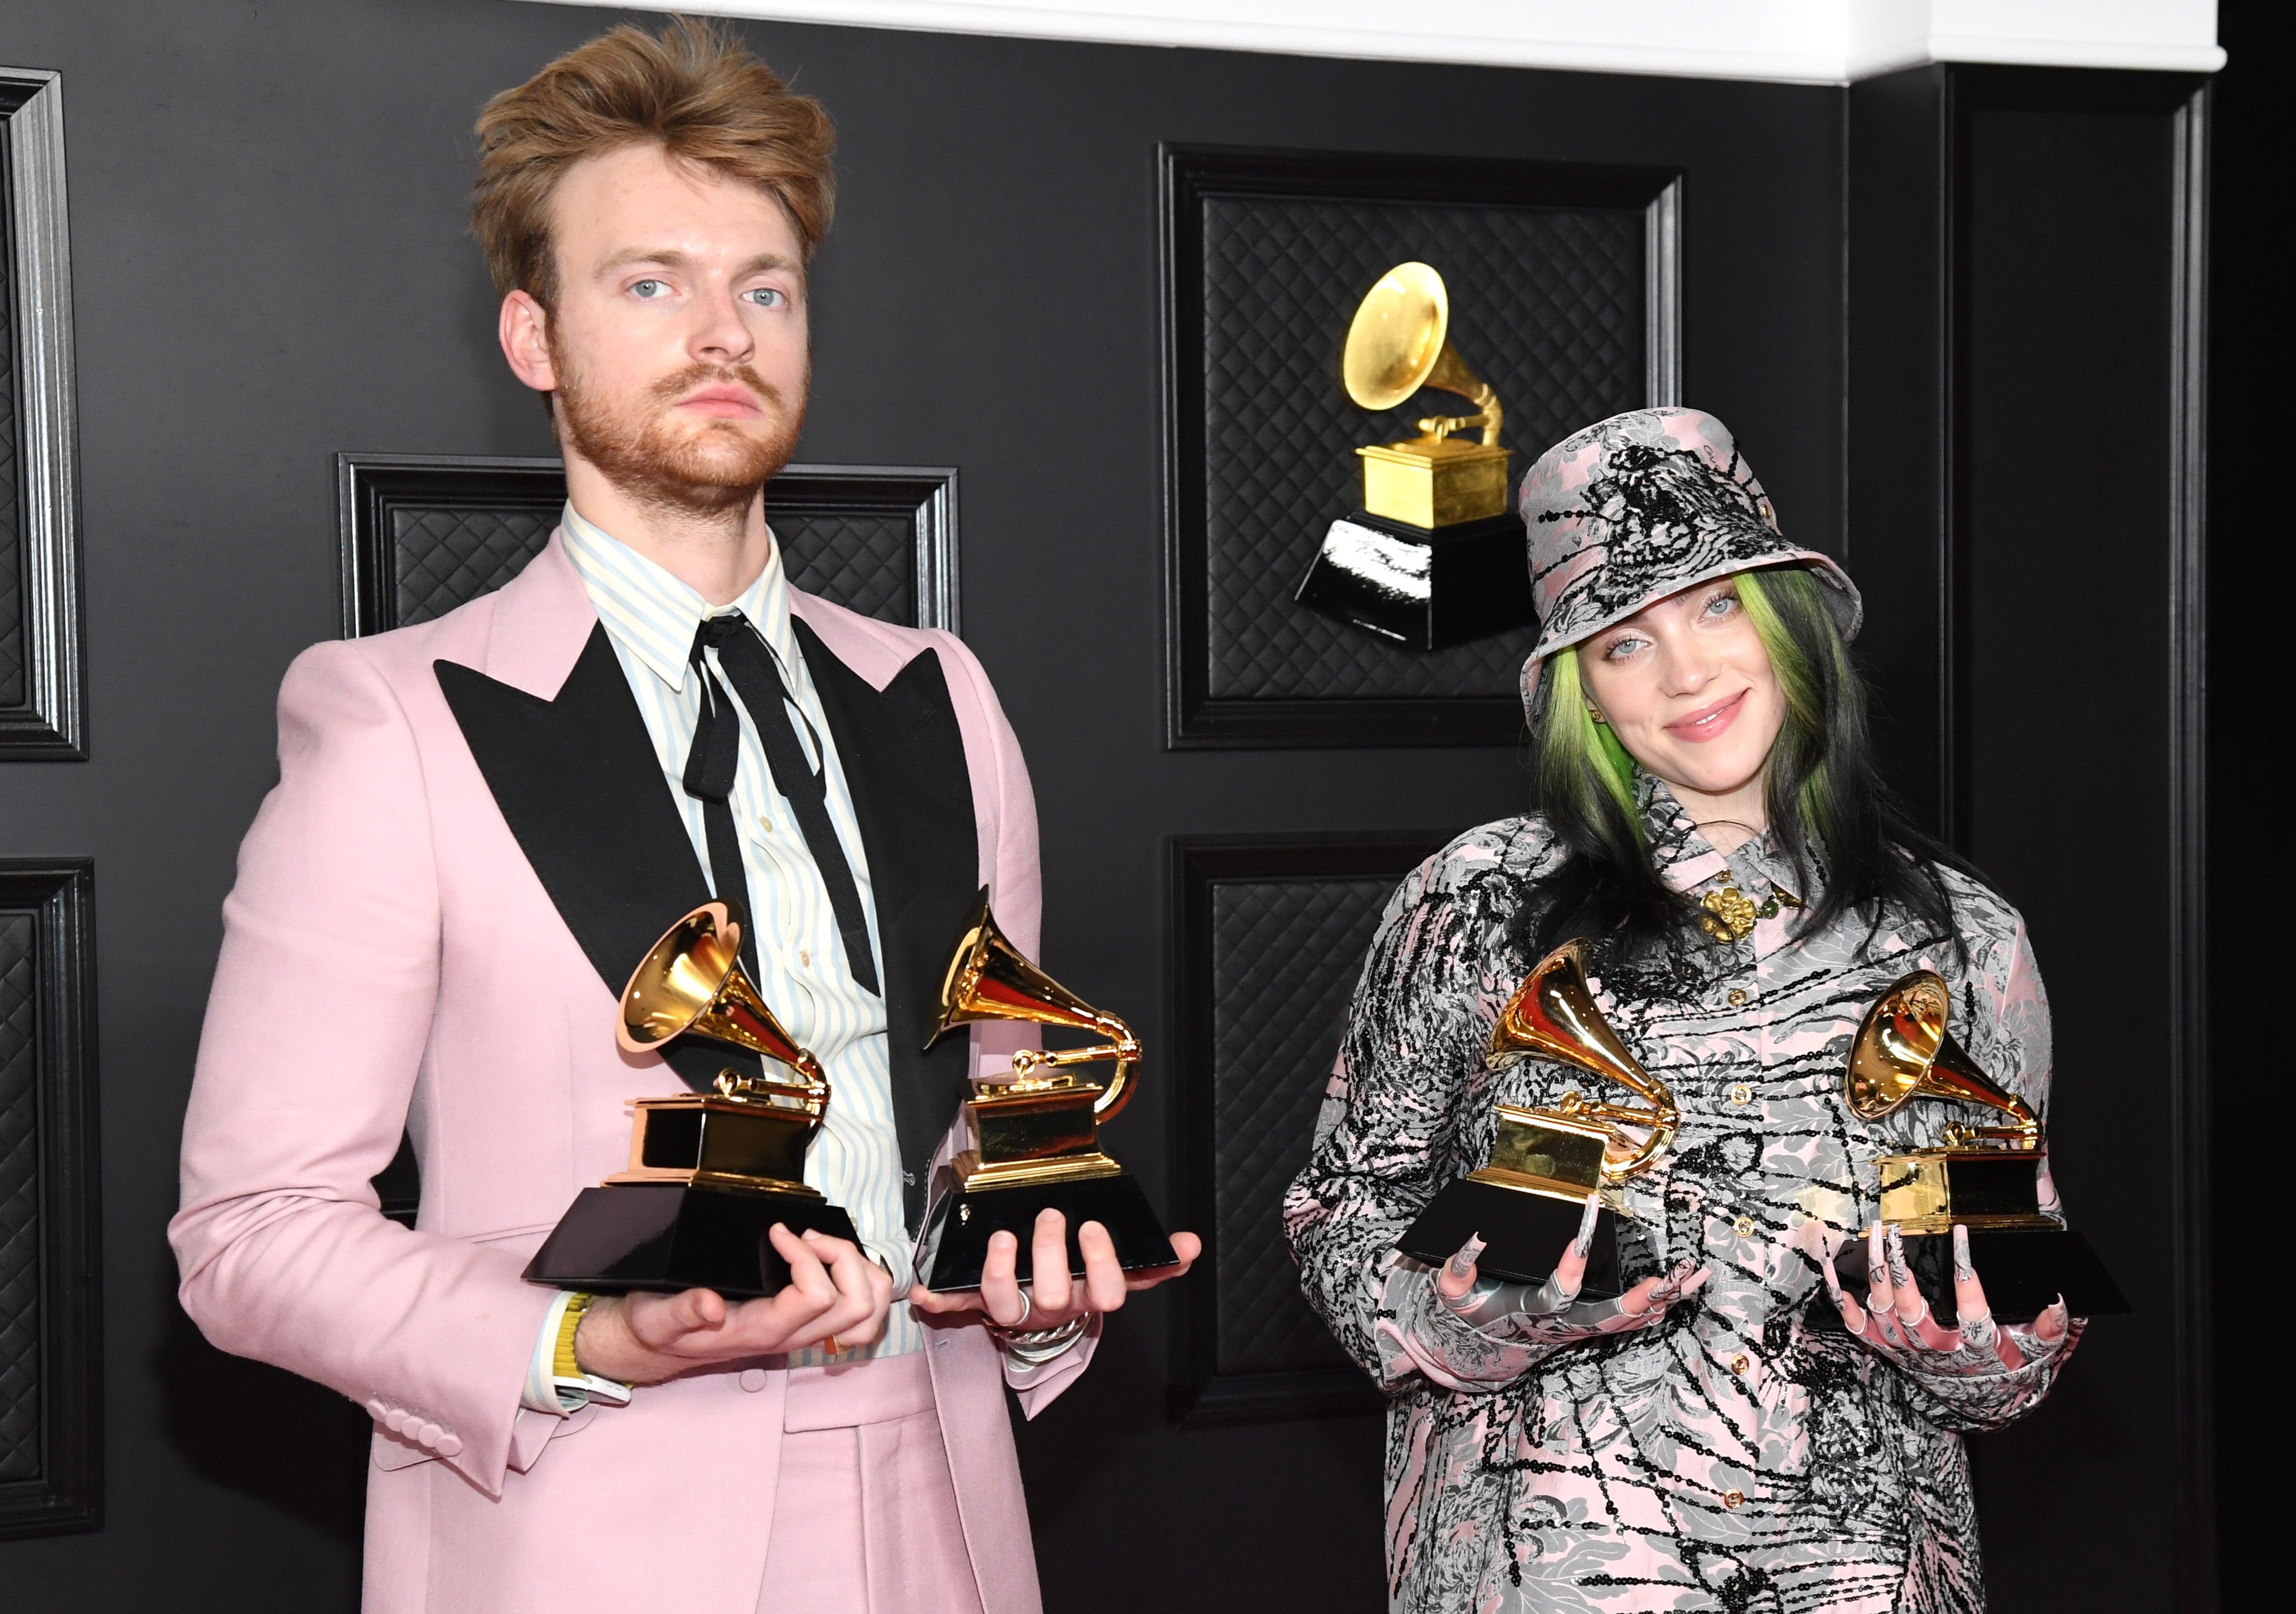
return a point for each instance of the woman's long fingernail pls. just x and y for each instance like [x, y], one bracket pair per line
[1584, 1242]
[1962, 1269]
[1462, 1261]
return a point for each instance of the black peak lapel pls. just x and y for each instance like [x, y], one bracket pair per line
[903, 759]
[578, 784]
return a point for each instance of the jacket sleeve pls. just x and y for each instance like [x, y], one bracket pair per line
[316, 1029]
[1409, 1060]
[2012, 1040]
[1009, 857]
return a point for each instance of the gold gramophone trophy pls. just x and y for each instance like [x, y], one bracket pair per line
[1434, 557]
[710, 1173]
[1035, 1130]
[1985, 1178]
[1528, 1200]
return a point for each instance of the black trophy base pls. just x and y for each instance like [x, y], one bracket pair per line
[956, 1245]
[2024, 1270]
[1523, 1235]
[1422, 588]
[669, 1237]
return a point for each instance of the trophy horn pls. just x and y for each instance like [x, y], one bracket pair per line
[1903, 1051]
[1396, 344]
[691, 983]
[1553, 1013]
[989, 978]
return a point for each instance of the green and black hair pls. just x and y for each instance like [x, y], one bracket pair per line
[1832, 815]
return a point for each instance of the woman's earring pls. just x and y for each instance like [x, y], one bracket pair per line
[1596, 712]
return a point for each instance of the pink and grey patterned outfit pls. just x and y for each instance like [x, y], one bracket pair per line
[1730, 1457]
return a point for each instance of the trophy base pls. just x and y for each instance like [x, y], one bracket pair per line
[1423, 588]
[1524, 1230]
[2024, 1269]
[956, 1245]
[669, 1236]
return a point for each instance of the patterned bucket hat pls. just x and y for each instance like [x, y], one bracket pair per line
[1643, 505]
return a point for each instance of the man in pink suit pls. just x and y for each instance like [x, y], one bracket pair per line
[480, 825]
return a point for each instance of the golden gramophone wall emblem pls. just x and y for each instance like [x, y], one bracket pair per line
[710, 1173]
[1035, 1131]
[1526, 1201]
[1434, 557]
[1985, 1177]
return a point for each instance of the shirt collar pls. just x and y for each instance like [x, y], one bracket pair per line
[1685, 859]
[653, 613]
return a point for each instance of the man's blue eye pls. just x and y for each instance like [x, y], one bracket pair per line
[770, 296]
[648, 289]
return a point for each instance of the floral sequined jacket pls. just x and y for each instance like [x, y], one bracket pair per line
[1732, 1457]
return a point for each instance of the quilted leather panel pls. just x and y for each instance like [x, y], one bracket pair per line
[865, 561]
[11, 518]
[443, 557]
[20, 1203]
[1285, 956]
[1547, 306]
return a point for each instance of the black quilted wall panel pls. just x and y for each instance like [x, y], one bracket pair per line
[1546, 306]
[1267, 937]
[423, 536]
[20, 1203]
[51, 1308]
[1285, 954]
[445, 557]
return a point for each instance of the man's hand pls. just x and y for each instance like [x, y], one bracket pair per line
[834, 1291]
[1051, 1298]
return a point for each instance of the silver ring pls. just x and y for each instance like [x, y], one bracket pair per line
[1027, 1310]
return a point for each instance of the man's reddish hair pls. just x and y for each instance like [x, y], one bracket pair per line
[695, 91]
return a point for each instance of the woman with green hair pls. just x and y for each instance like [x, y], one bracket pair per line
[1711, 823]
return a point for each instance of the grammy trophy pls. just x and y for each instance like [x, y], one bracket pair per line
[1527, 1201]
[1035, 1130]
[710, 1173]
[1434, 557]
[1986, 1178]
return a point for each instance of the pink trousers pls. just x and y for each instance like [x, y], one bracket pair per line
[865, 1515]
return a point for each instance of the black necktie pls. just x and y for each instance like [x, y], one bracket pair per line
[711, 766]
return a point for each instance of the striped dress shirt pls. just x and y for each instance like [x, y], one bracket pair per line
[649, 616]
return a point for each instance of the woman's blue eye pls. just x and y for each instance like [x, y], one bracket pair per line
[1721, 605]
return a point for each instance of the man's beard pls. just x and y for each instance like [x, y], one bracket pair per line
[708, 473]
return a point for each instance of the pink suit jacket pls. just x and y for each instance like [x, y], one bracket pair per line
[391, 958]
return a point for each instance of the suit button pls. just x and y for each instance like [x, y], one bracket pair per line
[429, 1434]
[753, 1379]
[396, 1420]
[377, 1406]
[1741, 1094]
[1734, 1497]
[1744, 1227]
[449, 1444]
[1739, 1364]
[1737, 997]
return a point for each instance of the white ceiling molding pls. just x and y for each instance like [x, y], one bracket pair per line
[1796, 41]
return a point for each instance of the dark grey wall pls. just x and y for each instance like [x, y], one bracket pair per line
[270, 266]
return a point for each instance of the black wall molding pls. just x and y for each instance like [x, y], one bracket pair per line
[1565, 290]
[422, 533]
[1266, 936]
[2028, 338]
[43, 679]
[51, 1203]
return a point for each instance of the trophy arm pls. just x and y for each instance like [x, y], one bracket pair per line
[1123, 1047]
